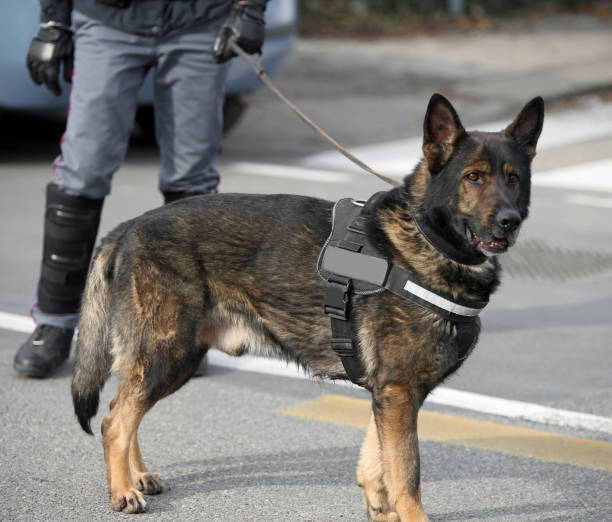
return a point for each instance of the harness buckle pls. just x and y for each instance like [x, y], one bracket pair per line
[336, 299]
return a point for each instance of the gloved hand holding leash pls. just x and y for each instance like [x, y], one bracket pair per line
[245, 27]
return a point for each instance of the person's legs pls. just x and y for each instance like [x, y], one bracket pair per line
[108, 71]
[189, 90]
[109, 68]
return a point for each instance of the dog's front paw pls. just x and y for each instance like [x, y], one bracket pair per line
[148, 483]
[377, 515]
[130, 501]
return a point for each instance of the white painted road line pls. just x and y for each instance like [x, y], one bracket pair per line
[589, 201]
[596, 175]
[520, 410]
[394, 158]
[441, 395]
[397, 158]
[16, 323]
[567, 127]
[289, 172]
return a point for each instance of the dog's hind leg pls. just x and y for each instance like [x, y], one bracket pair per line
[370, 478]
[118, 430]
[179, 372]
[155, 352]
[139, 390]
[145, 481]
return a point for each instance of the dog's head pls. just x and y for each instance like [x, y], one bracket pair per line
[479, 183]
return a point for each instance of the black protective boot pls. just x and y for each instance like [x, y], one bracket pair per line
[71, 226]
[44, 351]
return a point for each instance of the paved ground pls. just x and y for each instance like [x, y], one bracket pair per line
[250, 446]
[227, 453]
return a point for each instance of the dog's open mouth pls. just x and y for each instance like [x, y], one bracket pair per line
[497, 245]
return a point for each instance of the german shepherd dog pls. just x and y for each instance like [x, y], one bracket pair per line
[239, 272]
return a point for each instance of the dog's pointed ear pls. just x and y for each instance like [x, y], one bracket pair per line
[441, 130]
[527, 126]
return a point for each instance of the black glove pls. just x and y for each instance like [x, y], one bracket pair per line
[48, 49]
[246, 27]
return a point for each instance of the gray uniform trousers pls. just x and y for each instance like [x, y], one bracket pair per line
[109, 68]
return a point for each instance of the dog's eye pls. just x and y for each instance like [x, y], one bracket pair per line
[474, 177]
[513, 179]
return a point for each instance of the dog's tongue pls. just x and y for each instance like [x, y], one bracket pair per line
[496, 242]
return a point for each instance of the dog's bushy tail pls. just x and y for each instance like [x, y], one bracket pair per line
[93, 355]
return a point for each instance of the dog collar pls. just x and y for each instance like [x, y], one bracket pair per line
[442, 245]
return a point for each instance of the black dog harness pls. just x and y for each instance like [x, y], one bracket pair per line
[350, 264]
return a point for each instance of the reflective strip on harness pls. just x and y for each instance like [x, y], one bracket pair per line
[401, 283]
[378, 271]
[439, 301]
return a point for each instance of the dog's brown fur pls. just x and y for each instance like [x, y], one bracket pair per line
[239, 272]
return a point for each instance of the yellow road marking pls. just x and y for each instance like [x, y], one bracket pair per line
[510, 440]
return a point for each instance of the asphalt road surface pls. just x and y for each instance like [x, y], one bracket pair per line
[263, 443]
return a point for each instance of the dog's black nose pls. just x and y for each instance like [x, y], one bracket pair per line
[508, 219]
